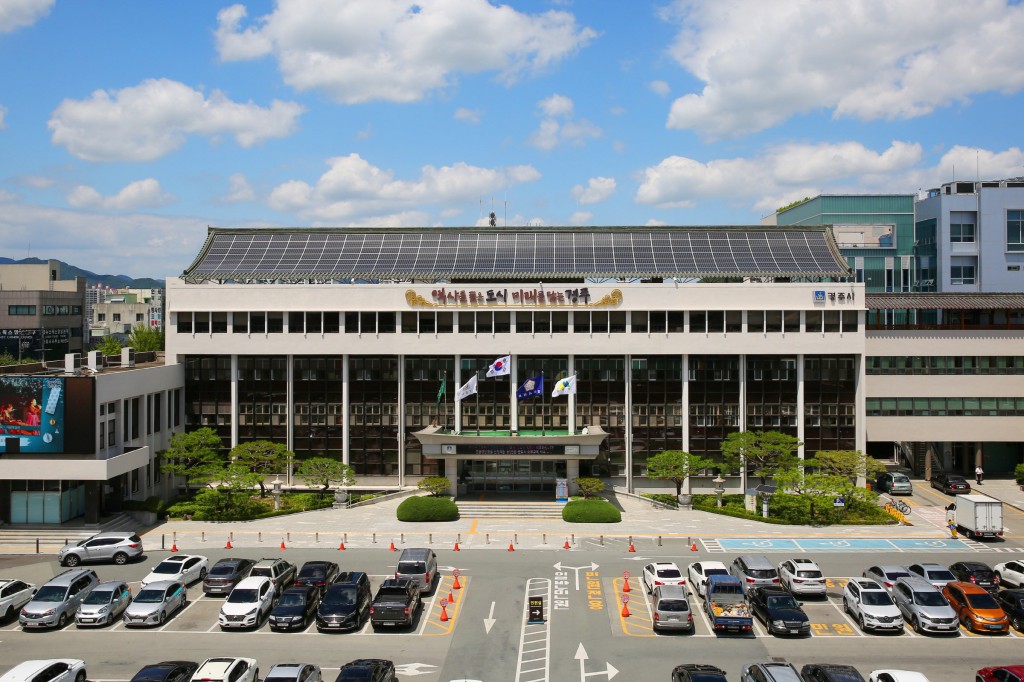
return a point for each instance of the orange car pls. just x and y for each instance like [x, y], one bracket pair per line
[976, 608]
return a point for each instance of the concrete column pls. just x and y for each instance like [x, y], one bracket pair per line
[93, 497]
[513, 403]
[860, 409]
[629, 422]
[928, 461]
[289, 399]
[686, 414]
[346, 411]
[743, 415]
[801, 420]
[234, 400]
[451, 472]
[401, 420]
[458, 384]
[572, 472]
[978, 456]
[571, 402]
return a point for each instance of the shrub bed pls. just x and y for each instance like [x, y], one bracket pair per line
[246, 508]
[428, 509]
[797, 510]
[591, 511]
[670, 500]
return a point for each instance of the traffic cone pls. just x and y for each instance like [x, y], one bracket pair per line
[631, 547]
[341, 547]
[625, 611]
[456, 548]
[444, 614]
[392, 548]
[282, 544]
[693, 547]
[228, 545]
[174, 547]
[625, 587]
[456, 585]
[451, 597]
[566, 545]
[511, 548]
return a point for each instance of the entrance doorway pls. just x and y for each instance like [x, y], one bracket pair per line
[511, 475]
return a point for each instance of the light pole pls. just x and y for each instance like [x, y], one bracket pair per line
[719, 487]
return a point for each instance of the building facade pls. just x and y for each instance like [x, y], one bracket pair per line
[117, 312]
[41, 315]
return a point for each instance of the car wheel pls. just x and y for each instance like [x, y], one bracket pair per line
[120, 558]
[1016, 623]
[72, 560]
[62, 620]
[846, 605]
[202, 574]
[916, 624]
[863, 625]
[7, 613]
[80, 677]
[163, 617]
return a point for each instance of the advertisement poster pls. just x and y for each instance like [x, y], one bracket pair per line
[32, 410]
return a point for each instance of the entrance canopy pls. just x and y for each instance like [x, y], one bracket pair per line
[467, 445]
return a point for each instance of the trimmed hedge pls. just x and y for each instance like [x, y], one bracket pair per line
[428, 509]
[591, 511]
[150, 504]
[796, 510]
[670, 500]
[249, 508]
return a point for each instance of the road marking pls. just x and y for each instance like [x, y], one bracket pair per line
[534, 661]
[472, 527]
[636, 619]
[453, 607]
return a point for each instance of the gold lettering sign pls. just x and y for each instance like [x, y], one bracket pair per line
[579, 297]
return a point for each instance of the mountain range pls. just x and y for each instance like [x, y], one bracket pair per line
[68, 271]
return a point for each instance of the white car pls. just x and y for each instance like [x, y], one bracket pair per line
[802, 576]
[662, 573]
[13, 595]
[185, 568]
[699, 571]
[870, 605]
[227, 670]
[248, 603]
[1011, 573]
[47, 670]
[886, 575]
[896, 676]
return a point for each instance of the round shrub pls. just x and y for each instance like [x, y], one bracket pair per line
[428, 509]
[591, 511]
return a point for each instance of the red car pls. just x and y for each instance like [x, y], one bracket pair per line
[1003, 673]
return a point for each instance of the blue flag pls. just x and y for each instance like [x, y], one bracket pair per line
[531, 388]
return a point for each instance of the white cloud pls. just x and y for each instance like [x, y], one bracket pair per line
[398, 50]
[555, 106]
[35, 181]
[468, 115]
[238, 189]
[654, 222]
[764, 62]
[153, 119]
[597, 189]
[6, 196]
[551, 132]
[581, 218]
[659, 88]
[139, 194]
[352, 188]
[15, 14]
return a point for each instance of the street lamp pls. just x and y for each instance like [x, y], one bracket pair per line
[719, 487]
[277, 493]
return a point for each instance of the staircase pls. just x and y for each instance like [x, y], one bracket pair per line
[510, 509]
[21, 538]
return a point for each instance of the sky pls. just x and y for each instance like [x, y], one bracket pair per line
[127, 127]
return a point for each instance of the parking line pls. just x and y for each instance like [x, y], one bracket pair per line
[455, 607]
[645, 625]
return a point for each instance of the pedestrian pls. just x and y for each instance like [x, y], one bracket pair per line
[979, 473]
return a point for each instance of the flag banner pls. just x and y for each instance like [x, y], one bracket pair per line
[566, 386]
[500, 367]
[467, 389]
[441, 392]
[531, 388]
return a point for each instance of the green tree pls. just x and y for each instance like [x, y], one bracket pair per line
[589, 487]
[144, 338]
[675, 466]
[263, 458]
[763, 453]
[109, 345]
[235, 478]
[195, 456]
[848, 464]
[821, 489]
[435, 485]
[324, 470]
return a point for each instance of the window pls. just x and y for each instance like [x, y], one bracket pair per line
[102, 317]
[117, 317]
[21, 310]
[961, 274]
[961, 233]
[1015, 230]
[139, 317]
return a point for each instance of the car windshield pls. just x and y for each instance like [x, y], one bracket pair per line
[168, 567]
[673, 605]
[340, 597]
[156, 673]
[786, 602]
[223, 569]
[981, 574]
[982, 601]
[313, 572]
[940, 574]
[150, 597]
[669, 573]
[412, 567]
[762, 573]
[900, 478]
[715, 571]
[929, 599]
[956, 479]
[356, 674]
[292, 599]
[876, 598]
[241, 596]
[99, 597]
[278, 678]
[896, 575]
[808, 574]
[50, 593]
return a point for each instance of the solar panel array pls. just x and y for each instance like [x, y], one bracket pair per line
[515, 255]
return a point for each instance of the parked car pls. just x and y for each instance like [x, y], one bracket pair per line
[670, 608]
[1010, 573]
[225, 574]
[13, 595]
[227, 670]
[247, 604]
[924, 607]
[1012, 602]
[870, 605]
[104, 604]
[346, 603]
[779, 611]
[699, 571]
[662, 573]
[294, 672]
[803, 577]
[115, 546]
[368, 670]
[47, 670]
[185, 568]
[937, 574]
[769, 672]
[279, 571]
[977, 609]
[975, 572]
[56, 602]
[896, 676]
[155, 602]
[951, 484]
[894, 483]
[167, 671]
[295, 608]
[318, 574]
[396, 603]
[830, 672]
[698, 672]
[1002, 673]
[419, 565]
[754, 570]
[886, 574]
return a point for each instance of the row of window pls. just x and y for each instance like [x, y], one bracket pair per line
[965, 233]
[945, 407]
[102, 317]
[522, 322]
[945, 364]
[47, 309]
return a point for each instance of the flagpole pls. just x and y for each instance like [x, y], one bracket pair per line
[512, 414]
[543, 406]
[478, 409]
[445, 380]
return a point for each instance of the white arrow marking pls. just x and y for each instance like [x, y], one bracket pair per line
[449, 569]
[581, 656]
[414, 669]
[559, 567]
[489, 620]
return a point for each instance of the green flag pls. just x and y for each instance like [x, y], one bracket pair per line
[441, 392]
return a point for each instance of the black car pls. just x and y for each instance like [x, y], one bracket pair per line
[830, 672]
[698, 672]
[367, 670]
[779, 611]
[225, 574]
[1012, 602]
[346, 603]
[168, 671]
[295, 608]
[951, 484]
[318, 574]
[975, 572]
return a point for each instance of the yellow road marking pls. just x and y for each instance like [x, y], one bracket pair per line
[639, 618]
[472, 527]
[453, 609]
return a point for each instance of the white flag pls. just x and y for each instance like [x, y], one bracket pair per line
[467, 389]
[500, 367]
[566, 386]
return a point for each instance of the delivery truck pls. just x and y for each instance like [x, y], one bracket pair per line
[979, 516]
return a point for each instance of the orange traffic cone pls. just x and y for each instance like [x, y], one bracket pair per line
[392, 547]
[456, 585]
[631, 547]
[511, 548]
[693, 547]
[625, 611]
[282, 545]
[341, 547]
[444, 614]
[451, 597]
[625, 587]
[566, 545]
[228, 545]
[456, 548]
[174, 547]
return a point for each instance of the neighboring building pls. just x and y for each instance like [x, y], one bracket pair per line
[875, 233]
[77, 443]
[116, 312]
[970, 237]
[40, 314]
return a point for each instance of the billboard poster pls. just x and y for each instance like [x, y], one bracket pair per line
[32, 411]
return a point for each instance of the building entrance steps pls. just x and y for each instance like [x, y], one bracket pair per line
[509, 509]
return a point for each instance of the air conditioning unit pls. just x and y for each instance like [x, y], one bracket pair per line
[72, 363]
[94, 360]
[127, 356]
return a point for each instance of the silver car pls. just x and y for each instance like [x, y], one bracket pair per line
[155, 602]
[294, 672]
[116, 546]
[670, 608]
[104, 604]
[937, 574]
[870, 605]
[56, 602]
[923, 606]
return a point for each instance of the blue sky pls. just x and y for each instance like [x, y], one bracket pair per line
[127, 127]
